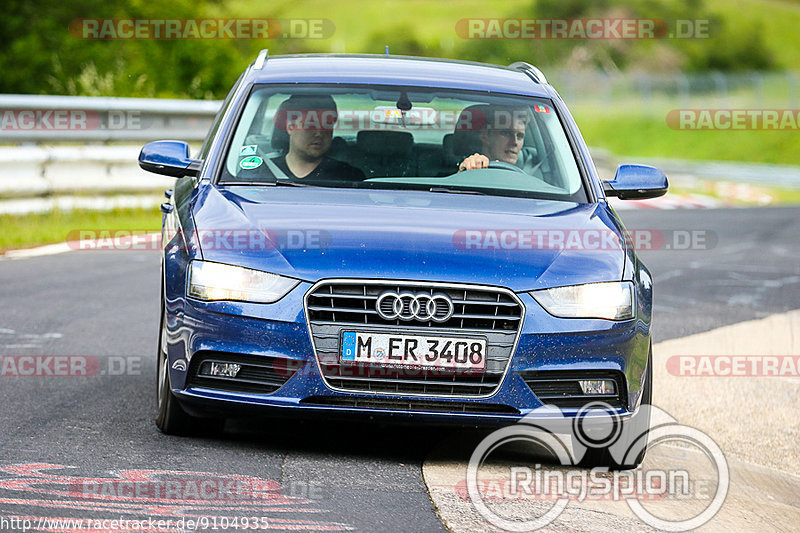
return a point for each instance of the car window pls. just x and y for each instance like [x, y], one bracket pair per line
[402, 138]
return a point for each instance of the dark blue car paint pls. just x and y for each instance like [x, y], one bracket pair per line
[400, 235]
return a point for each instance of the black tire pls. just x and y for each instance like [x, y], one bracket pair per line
[602, 457]
[171, 419]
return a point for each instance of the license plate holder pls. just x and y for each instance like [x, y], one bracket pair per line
[419, 351]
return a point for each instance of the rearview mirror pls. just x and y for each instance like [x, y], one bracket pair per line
[418, 116]
[170, 158]
[636, 181]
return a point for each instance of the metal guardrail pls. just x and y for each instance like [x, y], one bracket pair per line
[751, 90]
[36, 118]
[48, 119]
[54, 168]
[40, 170]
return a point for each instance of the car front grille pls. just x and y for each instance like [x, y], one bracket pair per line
[258, 374]
[561, 388]
[480, 312]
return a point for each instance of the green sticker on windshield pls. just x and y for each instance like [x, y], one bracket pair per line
[250, 162]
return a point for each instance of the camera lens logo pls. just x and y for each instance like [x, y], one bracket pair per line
[408, 306]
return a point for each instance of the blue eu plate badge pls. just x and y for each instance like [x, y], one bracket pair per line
[349, 346]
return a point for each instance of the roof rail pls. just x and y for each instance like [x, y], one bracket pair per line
[529, 69]
[258, 64]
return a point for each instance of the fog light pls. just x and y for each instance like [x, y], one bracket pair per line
[597, 386]
[224, 370]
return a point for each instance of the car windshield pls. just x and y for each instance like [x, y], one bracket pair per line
[413, 138]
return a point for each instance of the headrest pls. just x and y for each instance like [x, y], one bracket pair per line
[384, 142]
[466, 137]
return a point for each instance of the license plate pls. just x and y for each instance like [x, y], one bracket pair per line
[413, 350]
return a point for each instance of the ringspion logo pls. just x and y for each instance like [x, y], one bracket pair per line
[566, 440]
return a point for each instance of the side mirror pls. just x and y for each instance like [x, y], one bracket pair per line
[170, 158]
[636, 181]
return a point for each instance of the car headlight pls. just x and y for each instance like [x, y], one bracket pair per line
[612, 300]
[216, 281]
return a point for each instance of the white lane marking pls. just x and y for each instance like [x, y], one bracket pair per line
[13, 340]
[37, 336]
[150, 241]
[19, 346]
[48, 249]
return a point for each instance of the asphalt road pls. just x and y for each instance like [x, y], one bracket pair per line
[749, 266]
[326, 476]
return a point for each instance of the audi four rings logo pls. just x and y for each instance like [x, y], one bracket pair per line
[409, 306]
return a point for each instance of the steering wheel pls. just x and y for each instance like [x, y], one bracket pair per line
[505, 166]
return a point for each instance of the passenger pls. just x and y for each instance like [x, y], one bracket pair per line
[306, 123]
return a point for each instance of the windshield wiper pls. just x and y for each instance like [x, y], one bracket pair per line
[270, 183]
[287, 183]
[281, 183]
[456, 191]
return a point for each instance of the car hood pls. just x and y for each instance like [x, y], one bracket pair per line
[317, 233]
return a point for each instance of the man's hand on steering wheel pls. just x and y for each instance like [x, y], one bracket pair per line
[474, 161]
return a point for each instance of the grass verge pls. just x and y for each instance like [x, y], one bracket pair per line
[23, 231]
[648, 135]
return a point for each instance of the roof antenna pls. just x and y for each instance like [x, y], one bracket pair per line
[387, 49]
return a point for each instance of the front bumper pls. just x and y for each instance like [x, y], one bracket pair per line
[279, 332]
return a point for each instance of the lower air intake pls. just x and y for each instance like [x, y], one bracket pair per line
[411, 405]
[257, 374]
[563, 389]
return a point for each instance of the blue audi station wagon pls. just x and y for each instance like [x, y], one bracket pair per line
[397, 238]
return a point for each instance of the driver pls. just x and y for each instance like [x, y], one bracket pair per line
[501, 138]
